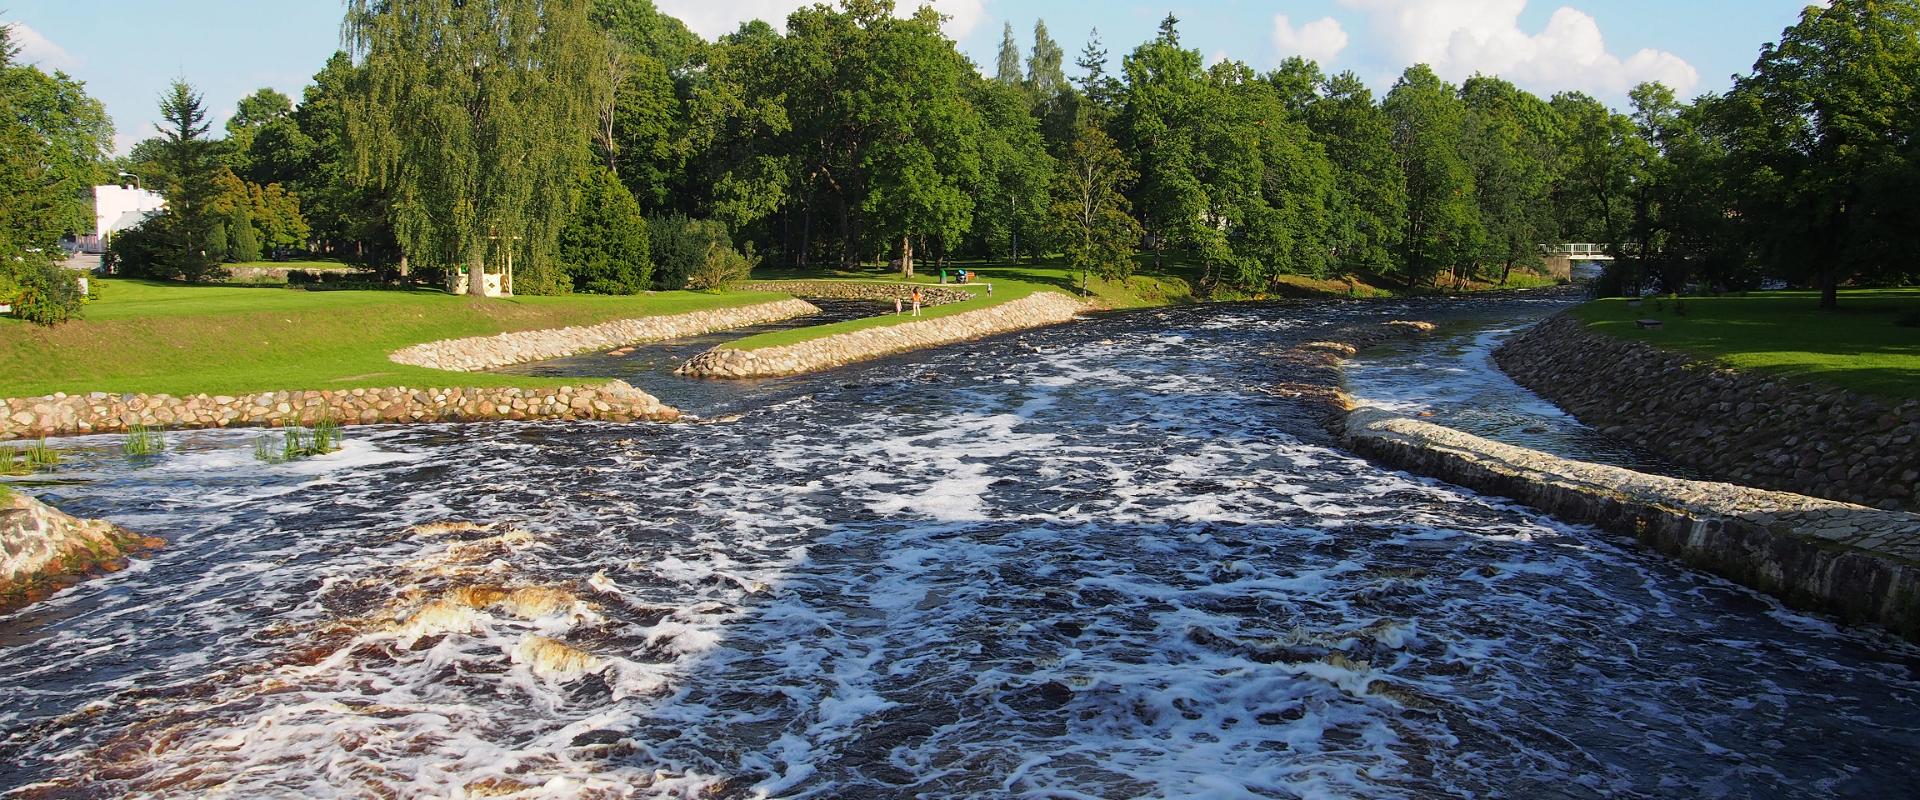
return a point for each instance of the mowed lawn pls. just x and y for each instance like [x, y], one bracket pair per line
[180, 339]
[1860, 346]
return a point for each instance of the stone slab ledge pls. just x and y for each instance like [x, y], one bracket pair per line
[1033, 311]
[1858, 563]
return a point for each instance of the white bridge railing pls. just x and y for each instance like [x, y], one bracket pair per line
[1579, 251]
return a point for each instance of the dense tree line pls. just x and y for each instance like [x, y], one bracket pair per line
[611, 149]
[54, 141]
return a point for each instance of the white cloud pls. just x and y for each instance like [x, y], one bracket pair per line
[37, 49]
[1461, 37]
[713, 19]
[1319, 40]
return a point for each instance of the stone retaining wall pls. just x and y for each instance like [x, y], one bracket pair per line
[1858, 563]
[1736, 426]
[480, 353]
[62, 414]
[43, 549]
[880, 291]
[1033, 311]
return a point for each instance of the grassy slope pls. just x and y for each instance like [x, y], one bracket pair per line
[154, 337]
[1785, 333]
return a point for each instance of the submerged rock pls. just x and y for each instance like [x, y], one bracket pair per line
[43, 549]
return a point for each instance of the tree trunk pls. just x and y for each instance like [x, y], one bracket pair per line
[404, 269]
[1829, 288]
[477, 278]
[1016, 246]
[906, 256]
[1505, 271]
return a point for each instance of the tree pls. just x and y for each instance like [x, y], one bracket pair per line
[474, 117]
[604, 246]
[72, 135]
[1599, 169]
[1007, 70]
[190, 164]
[1090, 214]
[1015, 172]
[348, 216]
[1101, 89]
[1822, 134]
[1164, 85]
[1045, 77]
[1369, 210]
[1442, 225]
[1512, 141]
[253, 114]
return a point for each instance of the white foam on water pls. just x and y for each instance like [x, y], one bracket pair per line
[1127, 583]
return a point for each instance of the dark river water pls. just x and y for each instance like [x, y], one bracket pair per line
[1095, 561]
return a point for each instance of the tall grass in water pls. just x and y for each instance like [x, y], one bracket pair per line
[32, 458]
[143, 441]
[296, 443]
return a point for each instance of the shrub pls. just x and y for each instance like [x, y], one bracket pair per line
[680, 247]
[39, 291]
[723, 268]
[604, 244]
[158, 249]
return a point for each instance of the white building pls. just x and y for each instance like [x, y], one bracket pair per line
[117, 208]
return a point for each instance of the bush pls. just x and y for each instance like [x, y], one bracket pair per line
[158, 249]
[723, 268]
[603, 245]
[680, 248]
[39, 291]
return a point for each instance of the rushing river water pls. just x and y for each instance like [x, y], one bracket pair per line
[1094, 561]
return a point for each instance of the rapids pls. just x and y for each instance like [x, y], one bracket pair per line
[1094, 561]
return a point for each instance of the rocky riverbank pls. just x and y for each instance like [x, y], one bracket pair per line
[878, 291]
[1727, 424]
[478, 353]
[43, 549]
[1034, 311]
[64, 415]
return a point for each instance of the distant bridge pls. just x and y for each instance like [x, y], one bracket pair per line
[1579, 251]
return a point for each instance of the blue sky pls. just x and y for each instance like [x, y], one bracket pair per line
[128, 50]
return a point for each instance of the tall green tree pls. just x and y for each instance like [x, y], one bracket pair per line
[1159, 124]
[1007, 65]
[1823, 130]
[1429, 125]
[475, 116]
[1600, 168]
[1512, 146]
[191, 165]
[1090, 217]
[253, 114]
[1011, 198]
[1369, 212]
[71, 136]
[1046, 76]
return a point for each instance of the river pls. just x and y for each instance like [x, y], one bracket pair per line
[1094, 561]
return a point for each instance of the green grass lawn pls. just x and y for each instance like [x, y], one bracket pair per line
[1859, 346]
[179, 339]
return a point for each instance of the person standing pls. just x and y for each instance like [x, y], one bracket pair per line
[896, 305]
[916, 301]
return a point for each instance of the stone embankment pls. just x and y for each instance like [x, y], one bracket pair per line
[1033, 311]
[1858, 563]
[480, 353]
[43, 549]
[878, 291]
[1727, 424]
[64, 415]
